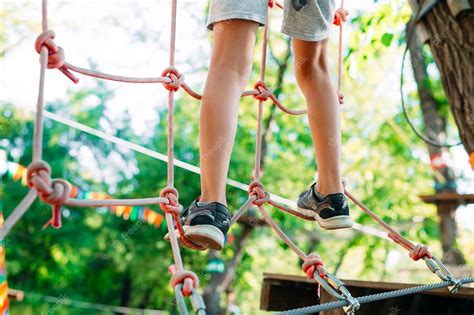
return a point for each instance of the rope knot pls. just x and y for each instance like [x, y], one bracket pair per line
[176, 79]
[312, 263]
[340, 96]
[54, 192]
[56, 56]
[186, 278]
[340, 16]
[420, 251]
[173, 205]
[264, 92]
[261, 196]
[272, 3]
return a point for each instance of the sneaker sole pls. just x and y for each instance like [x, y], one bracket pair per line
[180, 241]
[206, 236]
[334, 223]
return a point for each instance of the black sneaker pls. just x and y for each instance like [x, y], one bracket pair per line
[331, 211]
[299, 4]
[205, 225]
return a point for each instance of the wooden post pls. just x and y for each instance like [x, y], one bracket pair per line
[446, 204]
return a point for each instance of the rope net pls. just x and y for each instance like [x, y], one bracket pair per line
[56, 192]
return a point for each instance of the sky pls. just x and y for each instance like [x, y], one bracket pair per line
[131, 37]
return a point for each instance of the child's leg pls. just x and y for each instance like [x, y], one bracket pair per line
[230, 66]
[311, 69]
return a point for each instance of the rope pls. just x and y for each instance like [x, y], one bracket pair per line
[65, 301]
[374, 297]
[410, 34]
[56, 191]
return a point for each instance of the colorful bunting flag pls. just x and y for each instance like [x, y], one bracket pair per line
[17, 172]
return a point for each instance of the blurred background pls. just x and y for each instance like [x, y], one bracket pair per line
[117, 257]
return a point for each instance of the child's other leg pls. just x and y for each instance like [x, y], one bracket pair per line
[231, 63]
[311, 69]
[326, 202]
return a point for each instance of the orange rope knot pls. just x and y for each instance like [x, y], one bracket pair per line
[340, 16]
[56, 56]
[173, 205]
[264, 92]
[419, 252]
[177, 79]
[187, 278]
[53, 192]
[272, 3]
[313, 262]
[261, 196]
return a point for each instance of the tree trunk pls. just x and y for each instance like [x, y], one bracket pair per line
[220, 282]
[450, 28]
[435, 128]
[126, 290]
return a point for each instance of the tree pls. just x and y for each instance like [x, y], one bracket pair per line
[435, 127]
[449, 29]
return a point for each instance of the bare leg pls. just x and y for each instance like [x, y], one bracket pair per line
[231, 63]
[324, 114]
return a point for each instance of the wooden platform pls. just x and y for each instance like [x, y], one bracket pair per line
[448, 197]
[283, 292]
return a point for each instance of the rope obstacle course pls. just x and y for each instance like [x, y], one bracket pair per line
[57, 192]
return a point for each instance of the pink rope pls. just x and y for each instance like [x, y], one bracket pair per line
[188, 279]
[56, 191]
[291, 211]
[414, 250]
[56, 56]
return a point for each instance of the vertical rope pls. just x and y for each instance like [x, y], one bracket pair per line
[38, 129]
[258, 143]
[44, 15]
[169, 217]
[339, 57]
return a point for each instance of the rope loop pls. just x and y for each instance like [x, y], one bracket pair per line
[420, 251]
[340, 16]
[54, 192]
[264, 92]
[38, 168]
[312, 263]
[177, 79]
[261, 196]
[56, 55]
[186, 278]
[173, 205]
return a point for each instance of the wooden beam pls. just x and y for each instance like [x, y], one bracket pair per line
[448, 197]
[282, 292]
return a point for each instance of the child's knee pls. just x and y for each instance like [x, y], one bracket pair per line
[309, 71]
[239, 69]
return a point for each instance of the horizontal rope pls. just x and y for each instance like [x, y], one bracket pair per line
[114, 202]
[189, 167]
[65, 301]
[374, 297]
[143, 150]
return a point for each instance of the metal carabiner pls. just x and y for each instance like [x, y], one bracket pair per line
[197, 303]
[337, 289]
[437, 267]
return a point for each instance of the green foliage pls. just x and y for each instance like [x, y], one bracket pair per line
[100, 258]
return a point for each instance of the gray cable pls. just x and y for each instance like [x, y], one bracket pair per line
[375, 297]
